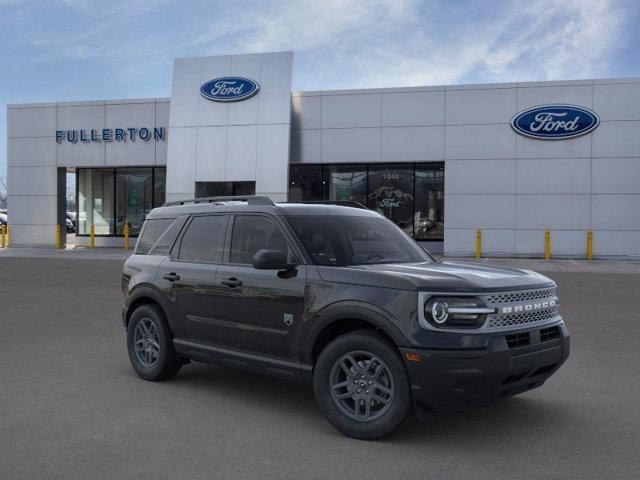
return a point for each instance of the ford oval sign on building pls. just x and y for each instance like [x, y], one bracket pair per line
[555, 122]
[229, 89]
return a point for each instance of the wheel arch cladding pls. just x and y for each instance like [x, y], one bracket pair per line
[144, 297]
[342, 320]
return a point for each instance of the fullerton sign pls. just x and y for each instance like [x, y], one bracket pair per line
[110, 135]
[555, 122]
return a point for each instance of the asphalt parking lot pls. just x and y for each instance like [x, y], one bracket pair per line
[72, 408]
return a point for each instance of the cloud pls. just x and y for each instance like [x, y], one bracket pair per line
[357, 43]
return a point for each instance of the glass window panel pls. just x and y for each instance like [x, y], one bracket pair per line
[133, 198]
[305, 183]
[159, 186]
[165, 243]
[244, 188]
[429, 214]
[151, 233]
[204, 239]
[224, 189]
[337, 240]
[252, 233]
[345, 182]
[95, 201]
[391, 194]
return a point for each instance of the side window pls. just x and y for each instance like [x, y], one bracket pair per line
[252, 233]
[152, 231]
[204, 239]
[168, 238]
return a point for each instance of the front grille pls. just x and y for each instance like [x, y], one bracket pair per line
[518, 339]
[524, 318]
[520, 296]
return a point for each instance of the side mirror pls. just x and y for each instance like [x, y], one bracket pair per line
[271, 260]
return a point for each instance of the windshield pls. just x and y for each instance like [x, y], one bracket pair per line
[339, 240]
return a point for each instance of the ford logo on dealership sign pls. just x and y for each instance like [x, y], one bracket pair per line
[229, 89]
[555, 122]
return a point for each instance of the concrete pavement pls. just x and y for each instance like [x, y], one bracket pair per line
[72, 408]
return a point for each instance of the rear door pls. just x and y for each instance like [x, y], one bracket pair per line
[187, 275]
[259, 311]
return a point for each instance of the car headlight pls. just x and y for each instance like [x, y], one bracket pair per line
[456, 312]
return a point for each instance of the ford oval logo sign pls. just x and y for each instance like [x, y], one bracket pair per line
[229, 89]
[555, 122]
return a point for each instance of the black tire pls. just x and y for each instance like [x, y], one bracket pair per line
[329, 365]
[166, 364]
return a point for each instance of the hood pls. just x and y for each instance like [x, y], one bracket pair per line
[436, 276]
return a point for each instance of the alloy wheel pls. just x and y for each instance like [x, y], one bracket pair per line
[362, 386]
[146, 342]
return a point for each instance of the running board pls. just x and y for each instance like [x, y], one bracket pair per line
[241, 360]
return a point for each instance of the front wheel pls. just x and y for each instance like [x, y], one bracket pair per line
[361, 385]
[150, 344]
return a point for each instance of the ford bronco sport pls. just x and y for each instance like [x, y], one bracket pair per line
[338, 297]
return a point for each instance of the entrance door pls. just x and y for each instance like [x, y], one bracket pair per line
[258, 311]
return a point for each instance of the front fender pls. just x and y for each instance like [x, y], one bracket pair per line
[353, 310]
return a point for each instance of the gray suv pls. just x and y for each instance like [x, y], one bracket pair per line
[338, 297]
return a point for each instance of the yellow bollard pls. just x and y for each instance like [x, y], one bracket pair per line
[478, 243]
[92, 237]
[4, 235]
[8, 234]
[589, 245]
[547, 244]
[126, 237]
[58, 237]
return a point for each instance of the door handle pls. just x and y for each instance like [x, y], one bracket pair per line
[172, 277]
[232, 282]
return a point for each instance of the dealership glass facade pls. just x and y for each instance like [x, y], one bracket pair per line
[410, 194]
[110, 198]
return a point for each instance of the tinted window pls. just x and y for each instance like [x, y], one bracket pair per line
[222, 189]
[168, 238]
[429, 214]
[346, 182]
[134, 198]
[391, 194]
[338, 240]
[305, 183]
[151, 233]
[252, 233]
[204, 239]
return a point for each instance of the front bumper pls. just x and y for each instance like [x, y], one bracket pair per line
[446, 378]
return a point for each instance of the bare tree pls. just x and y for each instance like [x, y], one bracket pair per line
[3, 193]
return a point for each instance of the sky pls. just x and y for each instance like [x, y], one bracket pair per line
[88, 50]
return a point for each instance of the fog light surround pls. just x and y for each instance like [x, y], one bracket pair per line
[455, 312]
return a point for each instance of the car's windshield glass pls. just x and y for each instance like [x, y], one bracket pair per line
[339, 240]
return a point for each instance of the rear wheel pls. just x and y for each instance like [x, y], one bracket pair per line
[150, 344]
[361, 385]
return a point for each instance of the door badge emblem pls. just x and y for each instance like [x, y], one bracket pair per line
[287, 318]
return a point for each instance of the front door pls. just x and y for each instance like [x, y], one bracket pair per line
[187, 277]
[259, 311]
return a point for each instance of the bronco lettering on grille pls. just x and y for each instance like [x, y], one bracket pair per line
[527, 307]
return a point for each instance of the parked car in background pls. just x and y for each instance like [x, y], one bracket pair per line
[3, 218]
[71, 228]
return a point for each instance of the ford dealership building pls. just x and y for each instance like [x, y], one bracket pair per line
[512, 160]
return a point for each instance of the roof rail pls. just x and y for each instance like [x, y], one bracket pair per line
[250, 199]
[342, 203]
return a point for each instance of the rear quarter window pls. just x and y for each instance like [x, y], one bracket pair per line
[151, 233]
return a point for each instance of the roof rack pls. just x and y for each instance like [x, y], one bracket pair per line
[250, 199]
[342, 203]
